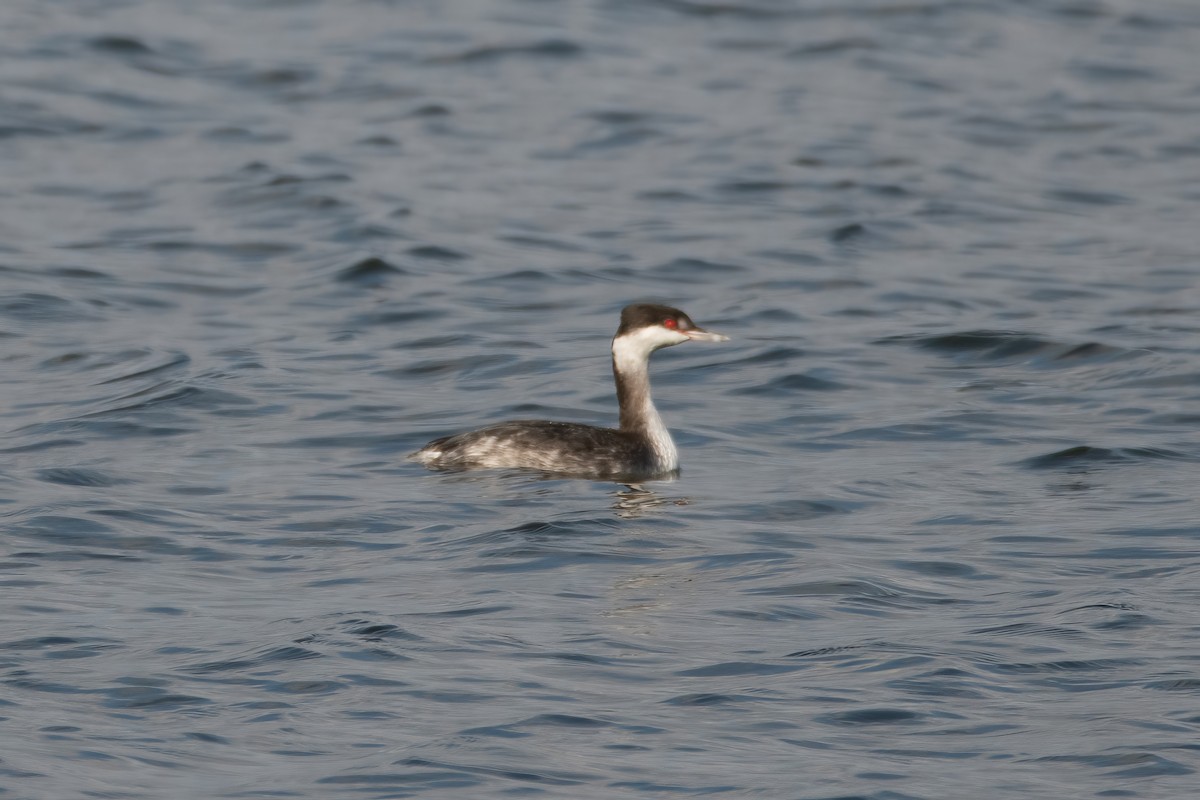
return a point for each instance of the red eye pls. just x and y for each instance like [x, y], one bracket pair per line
[670, 323]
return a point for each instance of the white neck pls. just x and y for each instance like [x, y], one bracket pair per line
[631, 361]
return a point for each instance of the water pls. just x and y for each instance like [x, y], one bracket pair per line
[936, 532]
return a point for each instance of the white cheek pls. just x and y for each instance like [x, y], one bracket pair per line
[657, 337]
[633, 349]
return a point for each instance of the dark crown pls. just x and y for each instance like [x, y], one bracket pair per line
[644, 315]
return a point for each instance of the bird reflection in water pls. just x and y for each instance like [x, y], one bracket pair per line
[635, 500]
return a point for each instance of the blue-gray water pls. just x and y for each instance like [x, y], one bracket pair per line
[937, 532]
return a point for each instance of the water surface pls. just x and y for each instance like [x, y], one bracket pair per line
[936, 531]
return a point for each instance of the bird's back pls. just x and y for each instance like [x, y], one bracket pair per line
[565, 447]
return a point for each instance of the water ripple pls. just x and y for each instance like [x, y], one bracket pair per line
[934, 530]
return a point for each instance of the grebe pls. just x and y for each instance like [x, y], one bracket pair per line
[640, 448]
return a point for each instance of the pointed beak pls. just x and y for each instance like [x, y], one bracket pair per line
[701, 335]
